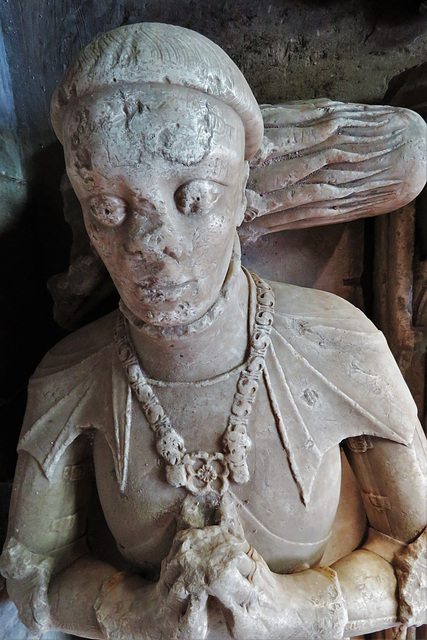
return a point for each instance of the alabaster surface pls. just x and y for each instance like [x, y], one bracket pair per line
[208, 411]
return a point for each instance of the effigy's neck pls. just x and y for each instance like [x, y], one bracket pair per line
[210, 346]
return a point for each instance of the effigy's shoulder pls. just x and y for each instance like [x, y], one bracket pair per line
[317, 306]
[335, 359]
[70, 393]
[82, 347]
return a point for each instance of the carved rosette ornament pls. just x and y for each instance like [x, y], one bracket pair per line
[200, 473]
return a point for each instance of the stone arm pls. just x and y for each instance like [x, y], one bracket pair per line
[56, 581]
[51, 575]
[392, 479]
[381, 585]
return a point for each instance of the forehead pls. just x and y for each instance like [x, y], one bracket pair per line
[151, 125]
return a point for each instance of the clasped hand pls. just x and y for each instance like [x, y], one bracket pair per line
[217, 561]
[210, 559]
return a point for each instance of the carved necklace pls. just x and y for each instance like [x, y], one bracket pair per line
[198, 471]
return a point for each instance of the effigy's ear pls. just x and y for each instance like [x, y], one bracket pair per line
[322, 162]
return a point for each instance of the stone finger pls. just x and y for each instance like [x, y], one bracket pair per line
[232, 588]
[195, 618]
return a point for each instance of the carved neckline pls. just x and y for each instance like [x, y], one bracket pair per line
[198, 471]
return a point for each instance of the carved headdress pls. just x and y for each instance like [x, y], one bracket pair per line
[157, 53]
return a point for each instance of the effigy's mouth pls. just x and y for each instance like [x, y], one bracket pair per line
[164, 293]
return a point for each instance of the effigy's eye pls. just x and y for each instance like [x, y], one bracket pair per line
[108, 210]
[197, 196]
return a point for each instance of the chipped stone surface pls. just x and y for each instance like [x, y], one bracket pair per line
[197, 511]
[300, 67]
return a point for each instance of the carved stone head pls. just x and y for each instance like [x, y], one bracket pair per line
[157, 125]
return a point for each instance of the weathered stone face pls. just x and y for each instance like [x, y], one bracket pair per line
[160, 174]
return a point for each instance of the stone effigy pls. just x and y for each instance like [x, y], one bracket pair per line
[212, 404]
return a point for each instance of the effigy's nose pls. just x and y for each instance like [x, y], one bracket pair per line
[161, 241]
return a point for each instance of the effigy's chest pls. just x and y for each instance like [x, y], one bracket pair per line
[143, 518]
